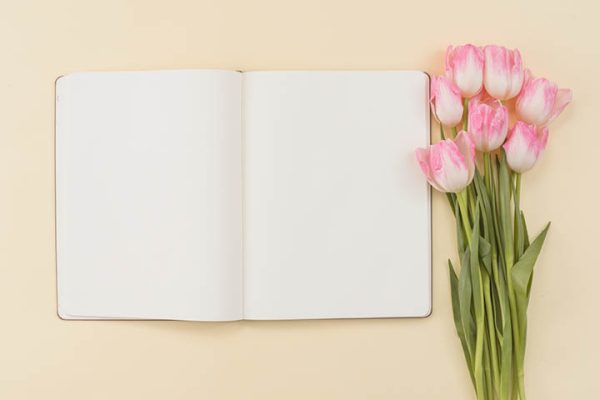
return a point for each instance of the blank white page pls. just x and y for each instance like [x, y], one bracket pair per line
[148, 190]
[337, 214]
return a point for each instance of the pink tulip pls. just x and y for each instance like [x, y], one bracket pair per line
[503, 72]
[540, 100]
[449, 165]
[488, 123]
[446, 101]
[465, 65]
[524, 146]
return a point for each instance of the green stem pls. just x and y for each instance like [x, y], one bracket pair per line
[507, 256]
[464, 213]
[518, 187]
[505, 193]
[493, 280]
[517, 349]
[489, 312]
[478, 371]
[488, 383]
[471, 195]
[519, 236]
[487, 171]
[491, 184]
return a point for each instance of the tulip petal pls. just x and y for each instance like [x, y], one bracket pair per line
[536, 101]
[446, 102]
[540, 101]
[464, 64]
[448, 165]
[449, 51]
[524, 146]
[543, 140]
[423, 157]
[517, 75]
[488, 123]
[563, 98]
[449, 168]
[467, 150]
[527, 76]
[498, 128]
[496, 75]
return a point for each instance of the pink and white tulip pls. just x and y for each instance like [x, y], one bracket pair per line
[503, 72]
[464, 64]
[488, 123]
[446, 101]
[449, 165]
[540, 100]
[524, 146]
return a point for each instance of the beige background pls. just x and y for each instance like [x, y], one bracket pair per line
[42, 357]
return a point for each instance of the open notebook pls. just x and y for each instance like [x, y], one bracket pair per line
[217, 195]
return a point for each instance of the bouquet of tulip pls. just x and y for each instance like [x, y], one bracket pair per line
[479, 168]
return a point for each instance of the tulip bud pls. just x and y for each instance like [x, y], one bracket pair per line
[524, 146]
[465, 65]
[540, 100]
[446, 101]
[503, 72]
[488, 123]
[449, 165]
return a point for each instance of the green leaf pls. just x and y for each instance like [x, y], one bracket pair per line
[526, 239]
[489, 384]
[464, 302]
[451, 200]
[504, 191]
[483, 195]
[506, 343]
[518, 221]
[498, 310]
[457, 317]
[460, 234]
[471, 199]
[485, 254]
[475, 271]
[494, 196]
[521, 276]
[478, 306]
[525, 233]
[519, 237]
[506, 369]
[522, 270]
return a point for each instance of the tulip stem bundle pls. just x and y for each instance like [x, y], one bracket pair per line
[491, 289]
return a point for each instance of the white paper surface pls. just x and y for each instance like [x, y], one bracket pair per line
[337, 214]
[148, 185]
